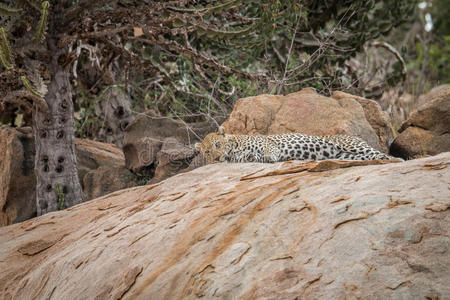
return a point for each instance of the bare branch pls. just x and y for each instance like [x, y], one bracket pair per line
[82, 6]
[199, 57]
[394, 51]
[289, 54]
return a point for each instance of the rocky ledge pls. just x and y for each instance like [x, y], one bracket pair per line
[317, 230]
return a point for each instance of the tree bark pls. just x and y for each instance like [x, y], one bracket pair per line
[58, 185]
[114, 108]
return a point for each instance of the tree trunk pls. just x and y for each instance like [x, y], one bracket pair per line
[114, 109]
[58, 185]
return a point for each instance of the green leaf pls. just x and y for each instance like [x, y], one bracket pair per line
[30, 88]
[384, 26]
[5, 62]
[128, 46]
[42, 25]
[5, 47]
[147, 53]
[5, 10]
[178, 22]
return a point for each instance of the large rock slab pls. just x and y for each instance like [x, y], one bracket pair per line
[427, 130]
[311, 113]
[318, 230]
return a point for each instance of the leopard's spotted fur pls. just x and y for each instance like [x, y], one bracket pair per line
[221, 147]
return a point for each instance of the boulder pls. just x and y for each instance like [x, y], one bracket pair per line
[400, 104]
[145, 138]
[427, 130]
[101, 168]
[436, 92]
[310, 113]
[377, 118]
[18, 182]
[305, 230]
[172, 158]
[107, 179]
[92, 154]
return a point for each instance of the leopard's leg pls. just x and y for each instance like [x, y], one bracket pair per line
[363, 156]
[350, 156]
[383, 156]
[271, 153]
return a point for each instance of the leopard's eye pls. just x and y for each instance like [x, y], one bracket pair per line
[206, 151]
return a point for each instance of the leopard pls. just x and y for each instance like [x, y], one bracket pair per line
[236, 148]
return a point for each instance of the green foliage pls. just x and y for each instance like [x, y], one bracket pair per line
[194, 59]
[29, 87]
[61, 197]
[6, 10]
[5, 46]
[440, 60]
[138, 179]
[5, 62]
[41, 28]
[427, 51]
[86, 122]
[17, 24]
[433, 59]
[440, 13]
[439, 49]
[6, 55]
[297, 44]
[206, 10]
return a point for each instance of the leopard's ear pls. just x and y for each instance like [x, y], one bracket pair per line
[198, 147]
[221, 131]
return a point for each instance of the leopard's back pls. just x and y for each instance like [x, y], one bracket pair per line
[221, 147]
[302, 146]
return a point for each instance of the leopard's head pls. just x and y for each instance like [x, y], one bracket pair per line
[213, 147]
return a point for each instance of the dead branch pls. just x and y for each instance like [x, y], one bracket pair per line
[289, 54]
[200, 58]
[394, 51]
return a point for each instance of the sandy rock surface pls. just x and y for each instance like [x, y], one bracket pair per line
[308, 112]
[320, 230]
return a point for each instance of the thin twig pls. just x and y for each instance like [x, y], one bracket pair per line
[289, 54]
[394, 51]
